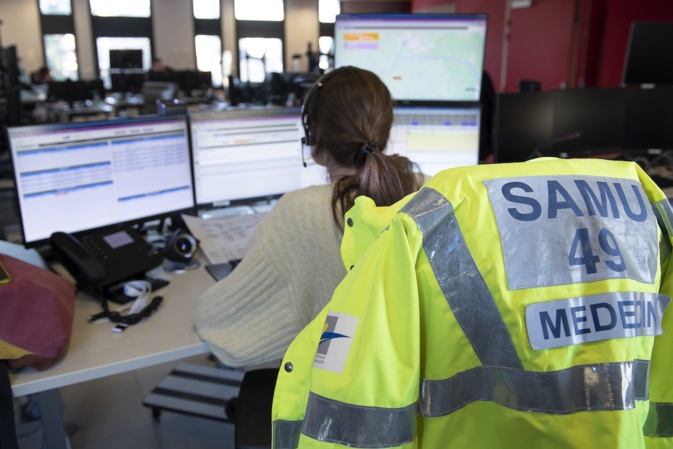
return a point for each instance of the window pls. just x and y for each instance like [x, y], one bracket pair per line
[265, 10]
[259, 56]
[61, 56]
[122, 26]
[105, 44]
[58, 37]
[326, 48]
[327, 12]
[260, 31]
[207, 40]
[209, 56]
[120, 8]
[56, 7]
[206, 9]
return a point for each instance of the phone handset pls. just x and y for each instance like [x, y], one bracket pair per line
[76, 258]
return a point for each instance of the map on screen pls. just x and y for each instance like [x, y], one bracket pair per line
[419, 57]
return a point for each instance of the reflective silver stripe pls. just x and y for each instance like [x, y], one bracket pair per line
[460, 280]
[286, 434]
[608, 386]
[664, 213]
[358, 426]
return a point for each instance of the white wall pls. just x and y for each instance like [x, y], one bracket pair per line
[21, 28]
[173, 25]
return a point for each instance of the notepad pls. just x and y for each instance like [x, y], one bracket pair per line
[223, 239]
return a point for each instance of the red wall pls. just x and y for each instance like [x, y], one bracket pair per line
[572, 43]
[618, 17]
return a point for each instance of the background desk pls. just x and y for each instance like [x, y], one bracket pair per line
[95, 351]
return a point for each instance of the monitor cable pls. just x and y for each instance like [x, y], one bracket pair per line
[565, 138]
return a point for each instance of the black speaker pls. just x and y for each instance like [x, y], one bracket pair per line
[179, 251]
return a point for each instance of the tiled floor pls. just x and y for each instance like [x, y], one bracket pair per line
[108, 413]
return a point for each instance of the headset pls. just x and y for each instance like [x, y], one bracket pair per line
[309, 138]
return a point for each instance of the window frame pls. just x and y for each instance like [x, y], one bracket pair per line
[264, 29]
[57, 24]
[207, 27]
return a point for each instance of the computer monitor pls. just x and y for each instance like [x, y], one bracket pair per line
[649, 57]
[436, 138]
[522, 124]
[422, 58]
[80, 177]
[648, 122]
[126, 59]
[245, 155]
[591, 119]
[75, 91]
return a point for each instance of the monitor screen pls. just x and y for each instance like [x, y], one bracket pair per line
[522, 123]
[244, 155]
[436, 138]
[592, 120]
[649, 59]
[126, 59]
[420, 57]
[77, 177]
[648, 121]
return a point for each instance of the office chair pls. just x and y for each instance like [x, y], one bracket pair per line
[252, 409]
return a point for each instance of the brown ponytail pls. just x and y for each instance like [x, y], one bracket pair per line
[351, 116]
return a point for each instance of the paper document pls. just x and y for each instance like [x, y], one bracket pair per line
[223, 238]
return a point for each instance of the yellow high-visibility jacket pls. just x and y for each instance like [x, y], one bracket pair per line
[503, 306]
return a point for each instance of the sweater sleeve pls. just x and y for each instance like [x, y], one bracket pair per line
[251, 316]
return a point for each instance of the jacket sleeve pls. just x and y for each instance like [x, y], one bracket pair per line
[364, 379]
[659, 426]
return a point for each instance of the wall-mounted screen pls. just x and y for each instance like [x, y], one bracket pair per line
[77, 177]
[422, 58]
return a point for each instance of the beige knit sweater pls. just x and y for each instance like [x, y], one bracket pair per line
[291, 268]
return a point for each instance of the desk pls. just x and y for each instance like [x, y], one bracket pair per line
[95, 351]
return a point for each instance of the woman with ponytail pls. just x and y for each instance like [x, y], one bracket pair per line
[293, 261]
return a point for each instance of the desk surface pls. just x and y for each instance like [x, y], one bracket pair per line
[95, 351]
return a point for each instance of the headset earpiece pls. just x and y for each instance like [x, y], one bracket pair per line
[309, 138]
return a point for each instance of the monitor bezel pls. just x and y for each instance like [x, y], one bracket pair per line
[136, 222]
[416, 17]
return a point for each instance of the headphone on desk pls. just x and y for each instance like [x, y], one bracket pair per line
[309, 138]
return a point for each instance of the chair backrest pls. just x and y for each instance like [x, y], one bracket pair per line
[252, 421]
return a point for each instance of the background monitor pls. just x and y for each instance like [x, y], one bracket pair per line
[648, 121]
[522, 125]
[126, 59]
[244, 155]
[79, 177]
[649, 54]
[420, 57]
[592, 120]
[436, 138]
